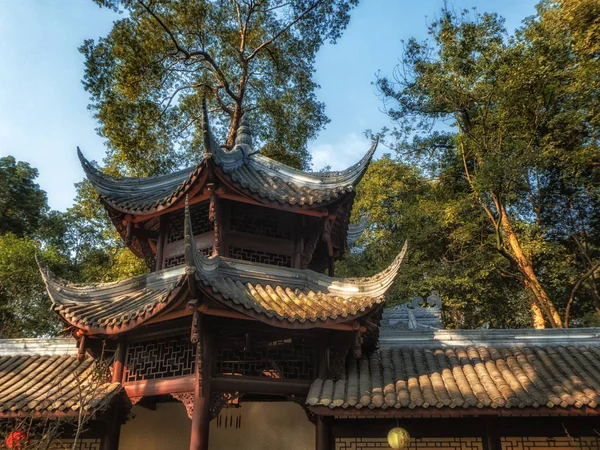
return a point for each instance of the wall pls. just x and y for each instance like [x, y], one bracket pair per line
[275, 425]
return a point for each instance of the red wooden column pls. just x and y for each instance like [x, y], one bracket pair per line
[119, 363]
[323, 434]
[201, 414]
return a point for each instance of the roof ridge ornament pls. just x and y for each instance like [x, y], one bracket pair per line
[195, 260]
[243, 139]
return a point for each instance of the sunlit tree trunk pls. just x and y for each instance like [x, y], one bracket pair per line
[542, 300]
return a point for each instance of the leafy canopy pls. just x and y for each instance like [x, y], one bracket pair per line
[147, 77]
[514, 118]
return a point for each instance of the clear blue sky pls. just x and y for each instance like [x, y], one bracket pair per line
[43, 107]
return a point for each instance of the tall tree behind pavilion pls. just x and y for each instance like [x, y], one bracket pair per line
[524, 114]
[147, 76]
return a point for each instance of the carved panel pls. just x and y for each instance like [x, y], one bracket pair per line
[535, 443]
[178, 260]
[415, 443]
[275, 259]
[200, 222]
[258, 355]
[82, 444]
[261, 221]
[160, 358]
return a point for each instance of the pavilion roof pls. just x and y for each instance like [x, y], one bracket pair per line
[280, 296]
[543, 370]
[44, 381]
[244, 168]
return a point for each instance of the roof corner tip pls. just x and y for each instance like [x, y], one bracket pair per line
[205, 128]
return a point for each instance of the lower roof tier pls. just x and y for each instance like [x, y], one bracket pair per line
[279, 296]
[465, 378]
[50, 384]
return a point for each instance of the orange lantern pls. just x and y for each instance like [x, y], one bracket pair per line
[16, 440]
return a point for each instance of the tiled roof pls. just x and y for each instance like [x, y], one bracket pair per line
[242, 166]
[279, 296]
[282, 295]
[477, 377]
[111, 308]
[47, 384]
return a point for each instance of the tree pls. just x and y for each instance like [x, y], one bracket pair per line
[147, 77]
[446, 236]
[525, 140]
[22, 202]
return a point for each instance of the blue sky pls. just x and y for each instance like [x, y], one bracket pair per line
[43, 107]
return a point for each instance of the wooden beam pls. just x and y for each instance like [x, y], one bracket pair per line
[429, 413]
[259, 385]
[353, 326]
[180, 204]
[320, 212]
[159, 387]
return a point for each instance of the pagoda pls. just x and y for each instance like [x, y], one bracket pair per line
[237, 301]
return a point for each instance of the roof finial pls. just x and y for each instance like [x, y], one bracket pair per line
[205, 126]
[243, 139]
[188, 236]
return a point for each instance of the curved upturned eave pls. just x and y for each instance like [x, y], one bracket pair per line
[141, 196]
[93, 308]
[270, 180]
[234, 283]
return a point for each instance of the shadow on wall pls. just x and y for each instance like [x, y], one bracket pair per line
[264, 425]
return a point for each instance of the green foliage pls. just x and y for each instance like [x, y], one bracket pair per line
[507, 127]
[147, 76]
[22, 202]
[25, 309]
[447, 245]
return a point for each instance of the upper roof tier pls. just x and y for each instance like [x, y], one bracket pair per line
[244, 168]
[279, 296]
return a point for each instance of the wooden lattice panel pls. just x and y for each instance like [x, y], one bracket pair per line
[260, 221]
[200, 222]
[178, 260]
[259, 356]
[415, 443]
[259, 256]
[82, 444]
[547, 443]
[162, 357]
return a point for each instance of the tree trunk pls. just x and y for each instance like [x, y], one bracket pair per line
[542, 301]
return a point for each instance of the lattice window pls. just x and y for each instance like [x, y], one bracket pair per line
[82, 444]
[467, 443]
[178, 260]
[262, 221]
[258, 355]
[538, 443]
[274, 259]
[174, 261]
[162, 357]
[200, 222]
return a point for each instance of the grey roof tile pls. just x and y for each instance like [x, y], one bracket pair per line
[480, 376]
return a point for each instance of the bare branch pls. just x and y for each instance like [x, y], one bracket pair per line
[284, 29]
[579, 282]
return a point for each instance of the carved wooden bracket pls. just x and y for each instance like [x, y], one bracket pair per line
[187, 398]
[220, 400]
[134, 400]
[312, 417]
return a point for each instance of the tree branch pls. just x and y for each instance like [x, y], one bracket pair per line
[579, 282]
[284, 29]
